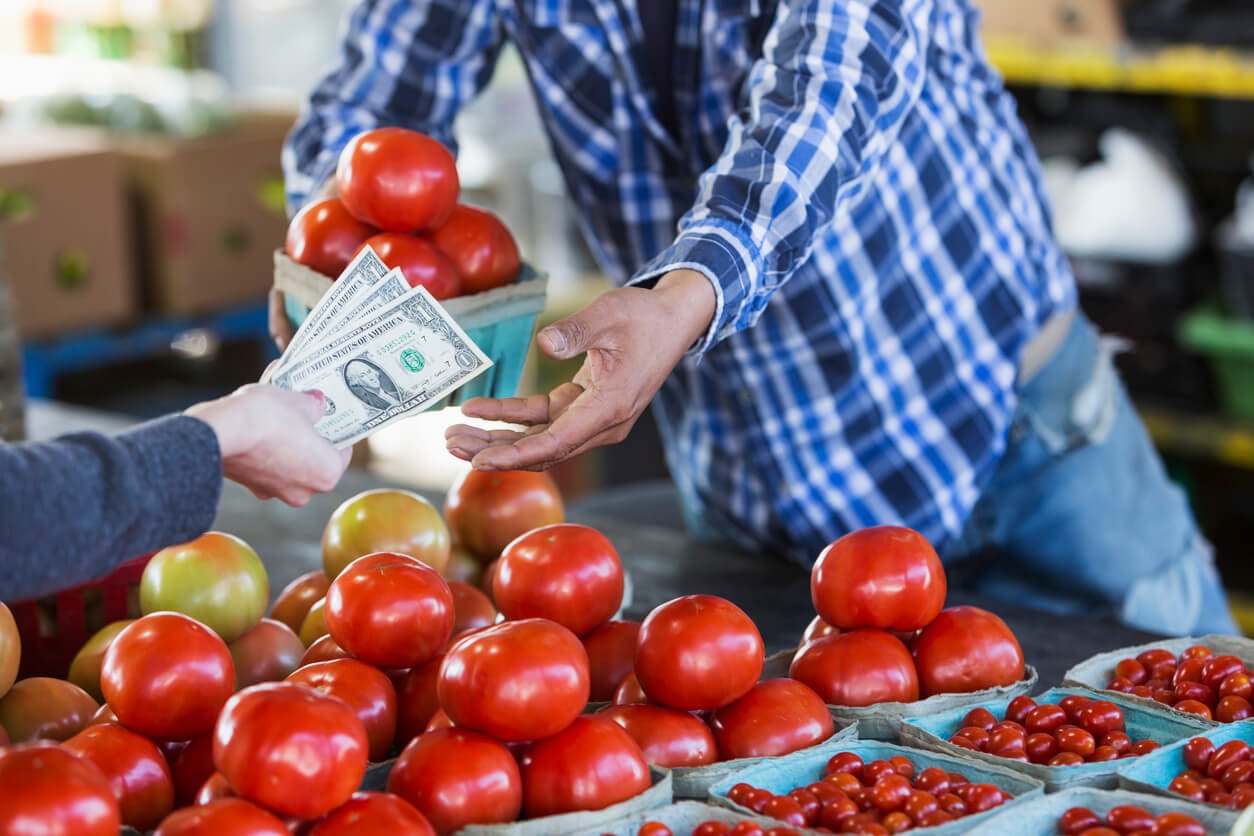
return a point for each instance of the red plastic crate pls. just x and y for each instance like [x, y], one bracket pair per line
[48, 648]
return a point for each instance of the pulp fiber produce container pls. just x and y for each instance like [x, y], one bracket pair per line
[781, 775]
[1097, 671]
[1157, 724]
[1039, 817]
[500, 321]
[1154, 772]
[681, 818]
[883, 720]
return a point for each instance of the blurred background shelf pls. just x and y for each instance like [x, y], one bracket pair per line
[1206, 437]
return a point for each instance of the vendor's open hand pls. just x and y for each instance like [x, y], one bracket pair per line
[269, 444]
[633, 339]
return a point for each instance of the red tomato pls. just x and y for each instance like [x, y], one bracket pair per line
[782, 808]
[1233, 709]
[816, 629]
[397, 179]
[1047, 718]
[385, 520]
[373, 814]
[611, 652]
[629, 692]
[1101, 717]
[472, 608]
[1008, 743]
[1201, 709]
[1040, 747]
[297, 597]
[1195, 691]
[1241, 772]
[979, 718]
[1117, 740]
[1077, 820]
[1190, 670]
[191, 768]
[590, 765]
[1198, 652]
[366, 690]
[456, 777]
[1065, 759]
[224, 817]
[439, 720]
[324, 237]
[290, 749]
[1072, 704]
[135, 769]
[266, 653]
[42, 708]
[1234, 751]
[697, 653]
[887, 577]
[1237, 685]
[967, 649]
[167, 676]
[566, 573]
[516, 681]
[1102, 754]
[417, 700]
[323, 650]
[1216, 669]
[488, 510]
[862, 667]
[1131, 670]
[51, 791]
[1128, 817]
[390, 610]
[776, 717]
[480, 247]
[667, 737]
[217, 787]
[1155, 656]
[1178, 824]
[654, 828]
[10, 649]
[421, 263]
[1142, 747]
[1078, 741]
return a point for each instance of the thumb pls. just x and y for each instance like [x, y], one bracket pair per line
[567, 337]
[313, 405]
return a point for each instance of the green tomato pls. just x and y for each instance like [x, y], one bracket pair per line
[85, 669]
[216, 579]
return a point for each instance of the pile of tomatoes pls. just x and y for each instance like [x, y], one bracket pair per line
[1197, 682]
[1127, 818]
[881, 634]
[1076, 730]
[714, 827]
[1221, 775]
[397, 192]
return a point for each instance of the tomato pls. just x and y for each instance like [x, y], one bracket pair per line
[1142, 747]
[297, 597]
[215, 788]
[1155, 656]
[439, 720]
[1201, 709]
[488, 510]
[457, 777]
[590, 765]
[1072, 704]
[1241, 772]
[1195, 691]
[390, 610]
[1007, 743]
[861, 667]
[1190, 670]
[980, 718]
[191, 768]
[886, 576]
[324, 237]
[629, 692]
[1178, 824]
[266, 653]
[290, 749]
[782, 808]
[417, 700]
[366, 690]
[654, 828]
[135, 769]
[397, 179]
[85, 669]
[1131, 670]
[489, 576]
[776, 717]
[566, 573]
[10, 649]
[1197, 651]
[51, 791]
[46, 709]
[384, 520]
[967, 649]
[463, 566]
[1079, 741]
[323, 650]
[711, 828]
[1047, 718]
[516, 681]
[1234, 751]
[1117, 740]
[1101, 717]
[1233, 709]
[225, 817]
[1128, 817]
[1218, 668]
[1077, 820]
[611, 652]
[480, 247]
[1237, 685]
[314, 626]
[667, 737]
[1040, 747]
[698, 652]
[216, 579]
[373, 814]
[472, 608]
[418, 259]
[816, 629]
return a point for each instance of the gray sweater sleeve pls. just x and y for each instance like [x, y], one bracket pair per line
[72, 509]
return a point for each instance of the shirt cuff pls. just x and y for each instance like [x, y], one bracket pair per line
[178, 460]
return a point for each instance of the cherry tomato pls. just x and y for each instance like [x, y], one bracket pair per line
[1237, 685]
[1166, 696]
[845, 763]
[903, 766]
[1178, 824]
[857, 668]
[1128, 817]
[1155, 656]
[981, 797]
[1066, 759]
[1242, 796]
[933, 779]
[891, 793]
[1218, 668]
[373, 814]
[979, 718]
[1131, 670]
[42, 708]
[1195, 691]
[417, 700]
[1198, 752]
[1190, 670]
[896, 822]
[1233, 709]
[629, 692]
[967, 649]
[1077, 820]
[833, 813]
[1143, 747]
[698, 653]
[1123, 686]
[52, 791]
[167, 676]
[746, 828]
[1241, 772]
[875, 770]
[1117, 740]
[135, 769]
[1079, 741]
[590, 765]
[776, 717]
[456, 778]
[1071, 704]
[397, 179]
[1019, 709]
[1007, 743]
[1193, 707]
[324, 237]
[952, 804]
[224, 816]
[1198, 652]
[366, 690]
[488, 510]
[711, 828]
[266, 653]
[480, 247]
[654, 828]
[1103, 754]
[1100, 717]
[1225, 755]
[611, 652]
[1040, 747]
[667, 737]
[1187, 787]
[784, 809]
[1047, 718]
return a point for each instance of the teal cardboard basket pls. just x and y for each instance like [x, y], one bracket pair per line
[1039, 817]
[500, 321]
[681, 818]
[1153, 773]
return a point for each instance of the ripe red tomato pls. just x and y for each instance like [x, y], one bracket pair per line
[85, 669]
[667, 737]
[967, 649]
[215, 788]
[816, 629]
[611, 654]
[384, 520]
[297, 597]
[488, 510]
[224, 817]
[471, 607]
[1077, 820]
[397, 179]
[191, 768]
[1178, 824]
[698, 653]
[266, 653]
[629, 692]
[167, 676]
[457, 777]
[1077, 740]
[290, 749]
[590, 765]
[1233, 709]
[216, 579]
[390, 610]
[52, 791]
[42, 708]
[323, 650]
[886, 576]
[366, 690]
[1234, 751]
[324, 237]
[776, 717]
[480, 247]
[1201, 709]
[417, 700]
[566, 573]
[373, 814]
[135, 769]
[1126, 818]
[1197, 753]
[1237, 685]
[1101, 717]
[419, 260]
[861, 667]
[1047, 718]
[516, 681]
[440, 720]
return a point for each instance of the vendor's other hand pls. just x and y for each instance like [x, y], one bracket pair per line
[633, 339]
[269, 444]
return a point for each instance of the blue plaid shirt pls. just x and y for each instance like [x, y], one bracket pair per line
[849, 174]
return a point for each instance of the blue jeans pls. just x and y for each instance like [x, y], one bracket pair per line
[1080, 517]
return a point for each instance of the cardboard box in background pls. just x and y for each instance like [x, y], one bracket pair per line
[1049, 22]
[64, 235]
[209, 214]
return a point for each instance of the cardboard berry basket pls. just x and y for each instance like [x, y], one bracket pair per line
[783, 775]
[1157, 724]
[883, 720]
[1154, 772]
[681, 818]
[500, 321]
[1039, 817]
